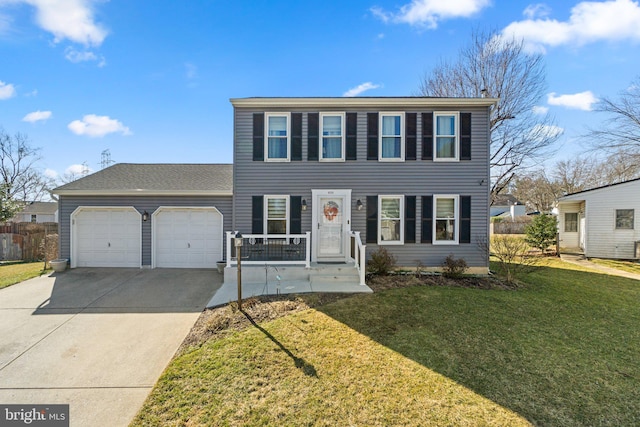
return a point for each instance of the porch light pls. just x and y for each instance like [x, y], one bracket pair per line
[359, 205]
[145, 216]
[238, 240]
[304, 204]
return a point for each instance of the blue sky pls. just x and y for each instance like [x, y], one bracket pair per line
[150, 80]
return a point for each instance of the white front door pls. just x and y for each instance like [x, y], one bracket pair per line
[331, 225]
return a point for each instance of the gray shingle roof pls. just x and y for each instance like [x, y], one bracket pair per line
[40, 208]
[158, 178]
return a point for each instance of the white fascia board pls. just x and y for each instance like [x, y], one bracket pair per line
[141, 192]
[346, 102]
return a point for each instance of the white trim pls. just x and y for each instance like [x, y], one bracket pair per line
[342, 136]
[73, 235]
[315, 222]
[376, 102]
[266, 136]
[154, 228]
[456, 114]
[265, 211]
[400, 197]
[382, 114]
[456, 207]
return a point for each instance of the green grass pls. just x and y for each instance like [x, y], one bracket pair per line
[561, 351]
[13, 273]
[628, 266]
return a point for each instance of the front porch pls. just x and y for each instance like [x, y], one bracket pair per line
[281, 264]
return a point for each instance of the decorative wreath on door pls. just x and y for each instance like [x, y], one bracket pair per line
[331, 210]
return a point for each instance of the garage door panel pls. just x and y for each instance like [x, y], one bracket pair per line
[107, 237]
[188, 237]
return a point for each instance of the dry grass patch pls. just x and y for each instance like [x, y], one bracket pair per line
[628, 266]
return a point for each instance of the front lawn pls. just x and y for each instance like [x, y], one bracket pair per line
[562, 350]
[12, 273]
[628, 266]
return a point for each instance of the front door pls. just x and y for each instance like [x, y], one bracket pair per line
[331, 225]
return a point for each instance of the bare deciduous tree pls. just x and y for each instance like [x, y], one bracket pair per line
[497, 67]
[21, 179]
[535, 190]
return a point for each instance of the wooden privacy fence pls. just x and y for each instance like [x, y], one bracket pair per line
[508, 227]
[28, 241]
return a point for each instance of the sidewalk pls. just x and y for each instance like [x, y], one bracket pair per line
[581, 260]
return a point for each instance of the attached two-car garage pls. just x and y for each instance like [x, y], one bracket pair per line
[181, 237]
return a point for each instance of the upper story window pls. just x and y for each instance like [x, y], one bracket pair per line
[332, 131]
[276, 214]
[446, 136]
[446, 219]
[391, 137]
[571, 222]
[277, 141]
[624, 219]
[390, 220]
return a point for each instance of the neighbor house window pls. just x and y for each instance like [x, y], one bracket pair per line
[277, 136]
[446, 136]
[392, 136]
[332, 131]
[445, 226]
[34, 218]
[390, 220]
[276, 214]
[624, 219]
[571, 222]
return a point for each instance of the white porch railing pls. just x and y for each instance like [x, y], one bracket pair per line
[359, 255]
[292, 249]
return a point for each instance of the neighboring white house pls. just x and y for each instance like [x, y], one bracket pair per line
[506, 205]
[602, 222]
[38, 212]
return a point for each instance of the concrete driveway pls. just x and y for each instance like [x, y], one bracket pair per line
[97, 339]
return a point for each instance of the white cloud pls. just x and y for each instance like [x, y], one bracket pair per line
[36, 116]
[590, 21]
[7, 90]
[540, 110]
[427, 13]
[97, 126]
[69, 19]
[578, 101]
[355, 91]
[191, 71]
[76, 56]
[544, 132]
[50, 173]
[78, 170]
[538, 10]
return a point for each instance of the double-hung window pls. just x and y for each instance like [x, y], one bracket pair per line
[445, 213]
[277, 138]
[624, 219]
[390, 220]
[276, 214]
[391, 137]
[571, 222]
[446, 141]
[332, 131]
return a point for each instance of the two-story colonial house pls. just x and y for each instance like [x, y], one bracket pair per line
[314, 180]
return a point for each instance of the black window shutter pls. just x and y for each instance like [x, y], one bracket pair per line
[465, 136]
[465, 219]
[351, 148]
[312, 135]
[296, 136]
[427, 136]
[427, 219]
[372, 219]
[257, 215]
[258, 136]
[295, 212]
[411, 135]
[372, 136]
[410, 219]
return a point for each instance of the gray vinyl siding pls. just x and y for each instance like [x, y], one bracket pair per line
[67, 204]
[367, 178]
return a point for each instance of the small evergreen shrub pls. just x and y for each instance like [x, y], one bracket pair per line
[381, 262]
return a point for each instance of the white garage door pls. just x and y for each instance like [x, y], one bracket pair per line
[187, 237]
[107, 237]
